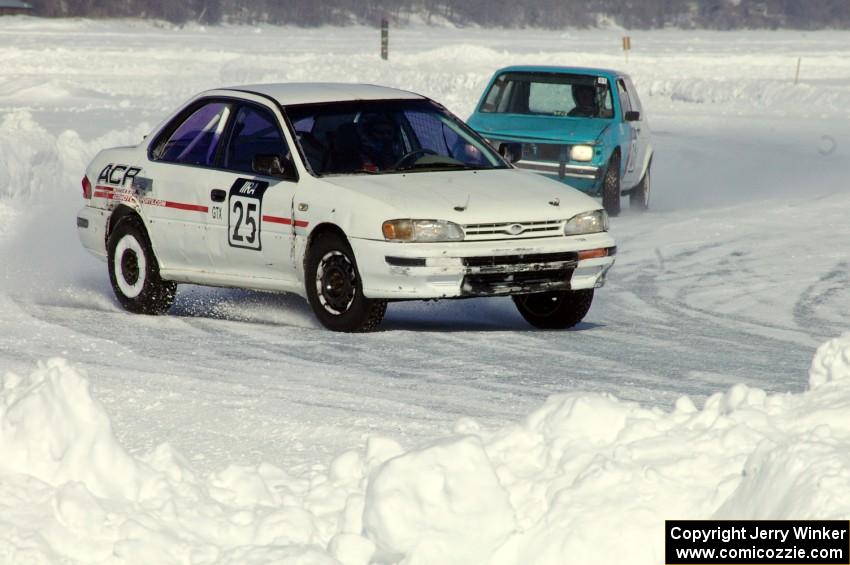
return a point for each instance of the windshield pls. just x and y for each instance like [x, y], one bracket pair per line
[386, 136]
[549, 94]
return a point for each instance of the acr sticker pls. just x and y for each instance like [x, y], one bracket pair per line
[118, 175]
[245, 209]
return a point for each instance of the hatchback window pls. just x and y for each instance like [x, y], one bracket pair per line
[255, 132]
[550, 98]
[196, 140]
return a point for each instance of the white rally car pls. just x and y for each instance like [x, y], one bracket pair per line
[350, 195]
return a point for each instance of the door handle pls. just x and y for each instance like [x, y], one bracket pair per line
[218, 195]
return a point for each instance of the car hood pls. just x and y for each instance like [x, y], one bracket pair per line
[539, 128]
[470, 197]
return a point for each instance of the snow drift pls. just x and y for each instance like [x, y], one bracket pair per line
[562, 483]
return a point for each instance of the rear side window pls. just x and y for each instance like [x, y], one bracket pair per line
[633, 96]
[625, 102]
[196, 140]
[255, 132]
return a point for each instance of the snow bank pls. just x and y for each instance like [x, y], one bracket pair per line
[53, 430]
[586, 476]
[35, 163]
[70, 491]
[29, 160]
[40, 192]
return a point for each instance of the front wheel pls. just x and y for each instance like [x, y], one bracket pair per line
[334, 289]
[555, 310]
[611, 187]
[134, 271]
[639, 196]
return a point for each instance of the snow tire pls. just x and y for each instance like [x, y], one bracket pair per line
[335, 290]
[555, 310]
[611, 187]
[134, 270]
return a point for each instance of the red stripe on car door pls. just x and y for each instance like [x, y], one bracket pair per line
[285, 221]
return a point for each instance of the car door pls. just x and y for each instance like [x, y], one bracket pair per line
[176, 183]
[628, 136]
[634, 133]
[253, 235]
[644, 134]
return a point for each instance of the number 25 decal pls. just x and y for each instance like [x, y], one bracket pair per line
[244, 212]
[246, 217]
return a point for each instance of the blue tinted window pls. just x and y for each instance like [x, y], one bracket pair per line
[255, 132]
[439, 137]
[196, 140]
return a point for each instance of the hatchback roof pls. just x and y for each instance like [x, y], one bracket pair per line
[557, 69]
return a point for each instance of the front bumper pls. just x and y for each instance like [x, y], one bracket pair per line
[552, 159]
[586, 178]
[401, 271]
[563, 170]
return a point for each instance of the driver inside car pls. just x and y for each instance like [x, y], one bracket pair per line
[465, 152]
[584, 96]
[379, 147]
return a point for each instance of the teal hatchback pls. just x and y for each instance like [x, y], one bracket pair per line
[585, 127]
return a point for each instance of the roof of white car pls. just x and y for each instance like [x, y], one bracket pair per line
[318, 92]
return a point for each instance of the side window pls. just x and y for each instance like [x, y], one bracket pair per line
[196, 140]
[492, 99]
[255, 132]
[625, 102]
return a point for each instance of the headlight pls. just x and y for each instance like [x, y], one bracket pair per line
[581, 153]
[422, 230]
[587, 222]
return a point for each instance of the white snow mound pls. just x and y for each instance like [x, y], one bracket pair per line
[831, 362]
[587, 476]
[52, 429]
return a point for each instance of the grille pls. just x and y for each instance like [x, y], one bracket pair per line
[545, 152]
[514, 229]
[497, 260]
[492, 284]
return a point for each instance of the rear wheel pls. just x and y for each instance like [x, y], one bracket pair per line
[555, 310]
[639, 196]
[334, 288]
[134, 270]
[611, 186]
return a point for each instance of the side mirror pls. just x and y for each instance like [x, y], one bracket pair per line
[269, 165]
[512, 152]
[632, 116]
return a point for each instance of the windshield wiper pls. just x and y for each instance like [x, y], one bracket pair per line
[359, 171]
[437, 165]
